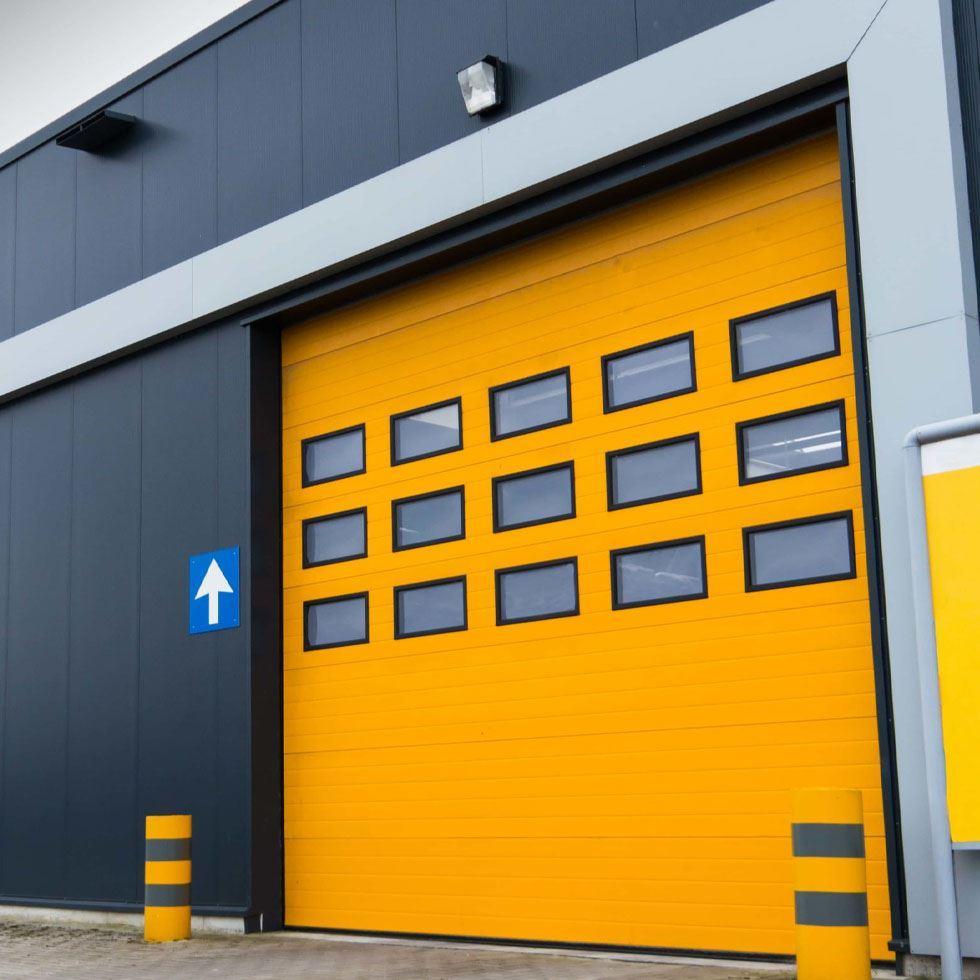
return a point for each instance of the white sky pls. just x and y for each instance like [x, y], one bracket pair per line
[57, 54]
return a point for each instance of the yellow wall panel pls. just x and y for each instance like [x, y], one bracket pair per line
[619, 776]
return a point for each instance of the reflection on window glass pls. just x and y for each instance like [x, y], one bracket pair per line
[528, 405]
[434, 607]
[537, 592]
[818, 549]
[655, 472]
[426, 432]
[332, 456]
[428, 519]
[785, 337]
[800, 442]
[659, 573]
[533, 498]
[334, 538]
[649, 373]
[336, 622]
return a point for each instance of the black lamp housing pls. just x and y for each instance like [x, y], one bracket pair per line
[482, 85]
[95, 130]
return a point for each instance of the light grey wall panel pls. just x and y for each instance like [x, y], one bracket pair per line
[180, 162]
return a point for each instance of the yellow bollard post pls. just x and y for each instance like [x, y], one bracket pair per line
[167, 903]
[831, 885]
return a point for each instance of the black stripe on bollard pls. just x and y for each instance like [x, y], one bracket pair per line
[167, 896]
[168, 849]
[828, 840]
[831, 909]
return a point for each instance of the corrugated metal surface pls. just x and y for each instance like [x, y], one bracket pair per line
[110, 710]
[306, 99]
[620, 776]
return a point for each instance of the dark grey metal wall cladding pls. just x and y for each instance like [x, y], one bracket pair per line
[966, 26]
[304, 100]
[110, 710]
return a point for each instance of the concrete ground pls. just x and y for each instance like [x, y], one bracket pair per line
[30, 950]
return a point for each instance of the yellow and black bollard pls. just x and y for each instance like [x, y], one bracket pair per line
[167, 903]
[832, 940]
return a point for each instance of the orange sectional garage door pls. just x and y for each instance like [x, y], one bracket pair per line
[574, 579]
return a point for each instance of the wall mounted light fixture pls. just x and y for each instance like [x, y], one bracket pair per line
[94, 130]
[482, 85]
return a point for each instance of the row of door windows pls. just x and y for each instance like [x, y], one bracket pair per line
[790, 553]
[763, 342]
[802, 441]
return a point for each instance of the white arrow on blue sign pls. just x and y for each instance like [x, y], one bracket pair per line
[213, 578]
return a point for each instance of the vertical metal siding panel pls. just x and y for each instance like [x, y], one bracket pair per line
[103, 839]
[231, 646]
[35, 724]
[178, 682]
[435, 40]
[661, 23]
[8, 212]
[555, 45]
[5, 485]
[44, 278]
[260, 143]
[180, 162]
[108, 216]
[350, 94]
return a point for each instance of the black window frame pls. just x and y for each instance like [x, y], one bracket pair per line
[307, 482]
[608, 407]
[398, 416]
[736, 322]
[745, 480]
[452, 580]
[552, 562]
[611, 504]
[308, 647]
[461, 490]
[327, 517]
[747, 532]
[566, 371]
[698, 539]
[498, 528]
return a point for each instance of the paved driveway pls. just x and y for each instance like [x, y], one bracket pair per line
[31, 950]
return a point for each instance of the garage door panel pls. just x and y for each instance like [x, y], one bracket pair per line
[617, 776]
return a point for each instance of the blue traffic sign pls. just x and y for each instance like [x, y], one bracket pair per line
[213, 594]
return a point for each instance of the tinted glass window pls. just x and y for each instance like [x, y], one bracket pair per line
[533, 498]
[655, 472]
[336, 622]
[439, 607]
[537, 592]
[429, 519]
[332, 456]
[783, 446]
[334, 538]
[785, 337]
[660, 573]
[426, 432]
[798, 553]
[527, 405]
[649, 373]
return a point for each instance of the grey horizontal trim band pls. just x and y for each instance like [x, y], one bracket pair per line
[831, 909]
[600, 124]
[167, 896]
[828, 840]
[168, 849]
